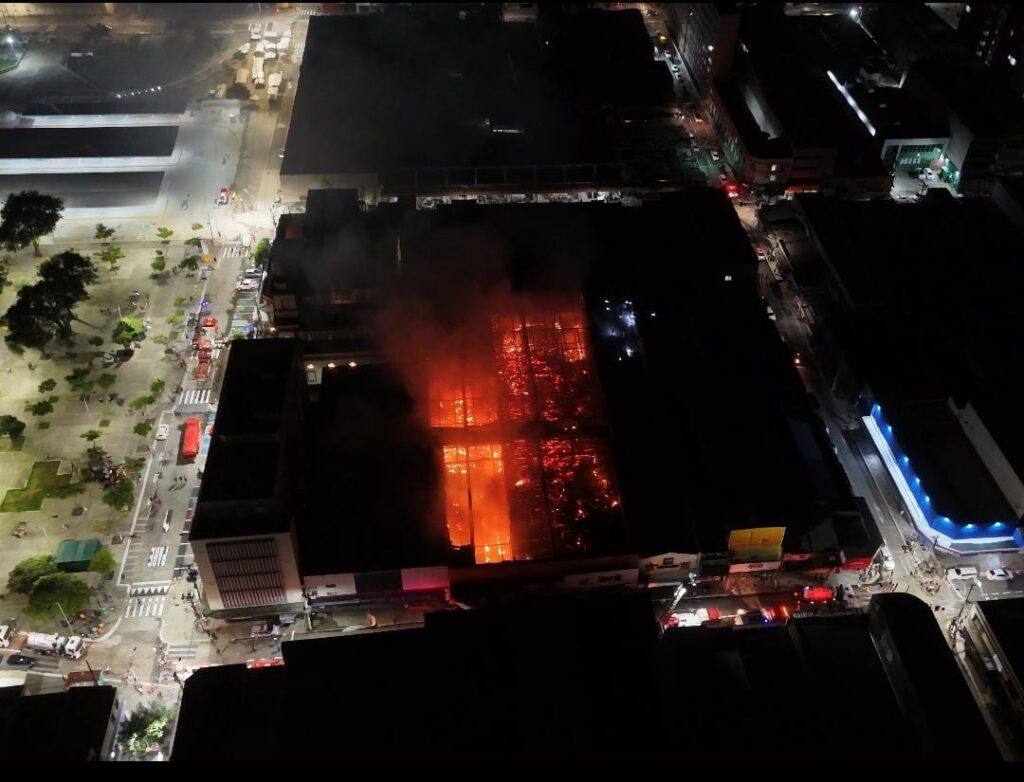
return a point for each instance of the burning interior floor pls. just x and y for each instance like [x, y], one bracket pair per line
[527, 473]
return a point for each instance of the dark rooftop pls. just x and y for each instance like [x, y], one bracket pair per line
[538, 680]
[145, 141]
[385, 78]
[371, 477]
[938, 284]
[1006, 618]
[243, 479]
[64, 727]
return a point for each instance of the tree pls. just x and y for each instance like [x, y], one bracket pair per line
[47, 385]
[189, 263]
[140, 402]
[70, 591]
[106, 380]
[44, 311]
[157, 387]
[142, 429]
[31, 321]
[11, 426]
[25, 574]
[147, 725]
[236, 334]
[102, 232]
[5, 270]
[164, 233]
[97, 341]
[111, 255]
[197, 226]
[91, 435]
[158, 265]
[120, 496]
[43, 407]
[195, 241]
[102, 562]
[127, 331]
[261, 251]
[26, 217]
[79, 381]
[237, 92]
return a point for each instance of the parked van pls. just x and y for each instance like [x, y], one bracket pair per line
[5, 636]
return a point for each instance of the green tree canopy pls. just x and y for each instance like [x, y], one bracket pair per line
[70, 591]
[158, 265]
[11, 426]
[111, 255]
[140, 402]
[79, 381]
[102, 232]
[189, 263]
[157, 386]
[128, 330]
[26, 216]
[164, 233]
[5, 270]
[106, 380]
[42, 407]
[91, 435]
[146, 726]
[47, 385]
[120, 496]
[102, 562]
[142, 429]
[44, 311]
[28, 571]
[261, 251]
[197, 226]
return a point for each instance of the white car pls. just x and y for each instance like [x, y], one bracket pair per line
[999, 574]
[247, 285]
[162, 431]
[961, 573]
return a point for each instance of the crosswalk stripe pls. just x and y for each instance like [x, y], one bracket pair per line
[195, 396]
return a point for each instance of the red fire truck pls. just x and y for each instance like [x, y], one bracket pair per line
[190, 439]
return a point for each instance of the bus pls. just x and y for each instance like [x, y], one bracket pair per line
[190, 438]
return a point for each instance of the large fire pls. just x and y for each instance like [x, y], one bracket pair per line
[526, 475]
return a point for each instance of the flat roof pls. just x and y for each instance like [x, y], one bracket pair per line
[371, 477]
[755, 455]
[141, 141]
[537, 680]
[243, 475]
[946, 326]
[90, 191]
[1006, 619]
[789, 56]
[61, 727]
[167, 101]
[425, 89]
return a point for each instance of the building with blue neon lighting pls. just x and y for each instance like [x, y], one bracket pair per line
[920, 328]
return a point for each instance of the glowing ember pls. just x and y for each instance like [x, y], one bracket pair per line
[536, 488]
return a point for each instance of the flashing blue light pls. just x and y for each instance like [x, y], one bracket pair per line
[876, 409]
[906, 460]
[998, 524]
[888, 429]
[968, 526]
[927, 498]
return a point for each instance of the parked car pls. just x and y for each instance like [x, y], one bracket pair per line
[961, 573]
[999, 574]
[21, 659]
[264, 630]
[162, 431]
